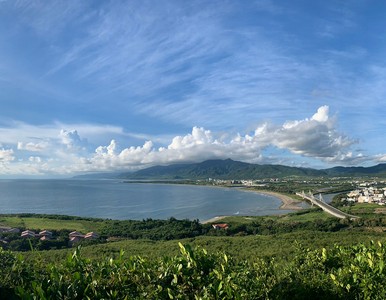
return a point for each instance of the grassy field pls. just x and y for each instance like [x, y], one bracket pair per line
[362, 209]
[305, 215]
[36, 223]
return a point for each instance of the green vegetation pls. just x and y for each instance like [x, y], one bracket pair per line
[278, 246]
[235, 170]
[154, 229]
[291, 256]
[354, 272]
[301, 224]
[41, 222]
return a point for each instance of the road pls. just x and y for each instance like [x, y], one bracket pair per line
[326, 207]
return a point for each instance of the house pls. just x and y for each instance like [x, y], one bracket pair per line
[45, 238]
[91, 236]
[28, 234]
[75, 239]
[45, 235]
[220, 226]
[75, 234]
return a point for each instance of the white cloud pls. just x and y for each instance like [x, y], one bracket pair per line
[33, 147]
[6, 155]
[321, 115]
[71, 139]
[35, 159]
[199, 136]
[39, 137]
[316, 137]
[381, 158]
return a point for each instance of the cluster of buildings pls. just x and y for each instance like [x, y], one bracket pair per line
[43, 235]
[4, 229]
[74, 237]
[368, 194]
[237, 182]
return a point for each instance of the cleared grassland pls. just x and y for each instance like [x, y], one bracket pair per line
[46, 223]
[304, 215]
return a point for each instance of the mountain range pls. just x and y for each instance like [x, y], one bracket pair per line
[230, 169]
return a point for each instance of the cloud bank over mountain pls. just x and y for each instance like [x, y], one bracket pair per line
[67, 152]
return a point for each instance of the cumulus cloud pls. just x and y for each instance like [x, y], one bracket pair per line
[35, 159]
[33, 147]
[381, 158]
[6, 155]
[71, 139]
[316, 137]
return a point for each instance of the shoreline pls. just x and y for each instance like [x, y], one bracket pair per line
[287, 203]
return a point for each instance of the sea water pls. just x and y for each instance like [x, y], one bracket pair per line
[119, 200]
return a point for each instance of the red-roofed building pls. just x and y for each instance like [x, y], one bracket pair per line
[220, 226]
[45, 235]
[76, 234]
[28, 234]
[91, 235]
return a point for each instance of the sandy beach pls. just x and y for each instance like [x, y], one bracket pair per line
[213, 220]
[288, 203]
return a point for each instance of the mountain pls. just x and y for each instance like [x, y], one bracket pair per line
[378, 170]
[230, 169]
[220, 169]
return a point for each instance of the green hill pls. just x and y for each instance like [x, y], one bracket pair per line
[220, 169]
[230, 169]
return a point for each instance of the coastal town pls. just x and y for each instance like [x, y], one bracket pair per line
[367, 194]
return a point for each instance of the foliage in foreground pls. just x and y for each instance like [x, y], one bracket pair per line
[354, 272]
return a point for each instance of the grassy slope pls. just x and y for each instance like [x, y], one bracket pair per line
[52, 224]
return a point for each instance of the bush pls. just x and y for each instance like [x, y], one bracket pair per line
[354, 272]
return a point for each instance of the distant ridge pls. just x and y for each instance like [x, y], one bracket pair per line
[219, 169]
[378, 170]
[230, 169]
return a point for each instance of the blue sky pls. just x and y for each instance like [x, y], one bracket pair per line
[96, 86]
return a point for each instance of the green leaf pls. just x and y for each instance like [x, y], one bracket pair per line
[219, 288]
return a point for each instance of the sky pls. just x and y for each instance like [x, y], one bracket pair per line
[111, 86]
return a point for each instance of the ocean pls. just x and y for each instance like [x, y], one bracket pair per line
[112, 199]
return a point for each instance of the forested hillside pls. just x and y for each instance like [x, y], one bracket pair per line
[230, 169]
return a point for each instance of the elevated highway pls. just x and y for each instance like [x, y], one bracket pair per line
[326, 207]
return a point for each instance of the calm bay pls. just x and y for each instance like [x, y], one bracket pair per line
[117, 200]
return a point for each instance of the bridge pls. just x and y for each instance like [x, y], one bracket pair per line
[326, 207]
